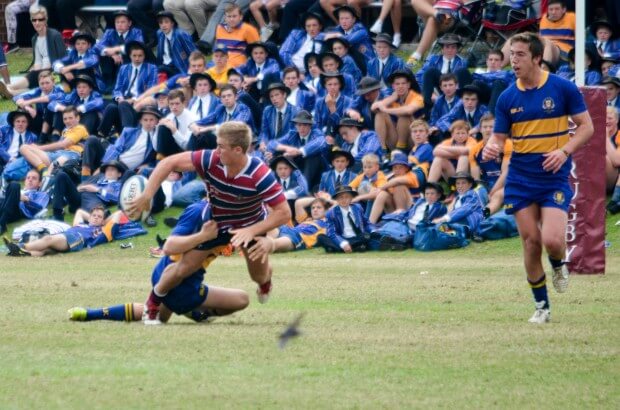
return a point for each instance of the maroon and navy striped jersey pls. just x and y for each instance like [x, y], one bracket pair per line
[238, 201]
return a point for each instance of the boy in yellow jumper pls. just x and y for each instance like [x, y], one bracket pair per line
[368, 182]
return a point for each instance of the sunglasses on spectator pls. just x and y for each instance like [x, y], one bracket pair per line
[35, 19]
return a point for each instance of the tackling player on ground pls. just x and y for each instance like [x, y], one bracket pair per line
[240, 188]
[534, 112]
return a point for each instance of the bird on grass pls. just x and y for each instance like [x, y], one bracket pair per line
[291, 331]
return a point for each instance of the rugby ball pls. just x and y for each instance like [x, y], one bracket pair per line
[130, 190]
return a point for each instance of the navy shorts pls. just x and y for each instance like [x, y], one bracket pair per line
[75, 241]
[293, 235]
[520, 194]
[189, 295]
[223, 238]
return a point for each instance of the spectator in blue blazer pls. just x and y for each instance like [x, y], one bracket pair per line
[386, 62]
[293, 182]
[204, 101]
[301, 42]
[101, 190]
[468, 109]
[204, 130]
[81, 60]
[340, 46]
[298, 97]
[348, 229]
[14, 135]
[448, 84]
[312, 77]
[330, 109]
[604, 42]
[173, 45]
[36, 101]
[260, 69]
[355, 32]
[87, 101]
[358, 142]
[277, 117]
[466, 208]
[330, 63]
[368, 92]
[235, 79]
[592, 76]
[492, 82]
[133, 80]
[428, 207]
[111, 47]
[612, 84]
[27, 203]
[340, 174]
[437, 64]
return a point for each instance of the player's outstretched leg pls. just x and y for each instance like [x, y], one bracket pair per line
[127, 312]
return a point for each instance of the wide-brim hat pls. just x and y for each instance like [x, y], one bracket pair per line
[303, 117]
[384, 38]
[313, 15]
[399, 158]
[193, 79]
[611, 80]
[252, 46]
[341, 153]
[450, 38]
[348, 8]
[82, 36]
[18, 113]
[406, 74]
[83, 78]
[322, 56]
[326, 76]
[114, 163]
[277, 86]
[462, 175]
[344, 189]
[166, 14]
[349, 122]
[328, 44]
[281, 158]
[366, 85]
[470, 88]
[436, 186]
[148, 53]
[120, 13]
[601, 23]
[149, 110]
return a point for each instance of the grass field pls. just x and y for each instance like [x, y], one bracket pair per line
[378, 333]
[382, 330]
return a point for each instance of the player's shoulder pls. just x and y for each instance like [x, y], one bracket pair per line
[191, 218]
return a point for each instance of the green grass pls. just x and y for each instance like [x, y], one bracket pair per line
[377, 334]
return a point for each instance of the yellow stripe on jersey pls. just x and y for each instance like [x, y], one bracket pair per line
[539, 145]
[547, 126]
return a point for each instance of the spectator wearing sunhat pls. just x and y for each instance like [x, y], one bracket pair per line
[340, 47]
[437, 64]
[294, 184]
[358, 142]
[469, 109]
[308, 39]
[347, 227]
[111, 46]
[204, 101]
[300, 98]
[260, 69]
[329, 62]
[609, 66]
[604, 42]
[386, 62]
[339, 174]
[368, 92]
[81, 60]
[102, 189]
[133, 81]
[173, 45]
[85, 98]
[612, 84]
[305, 145]
[330, 109]
[394, 113]
[466, 209]
[13, 135]
[428, 207]
[135, 146]
[353, 30]
[277, 116]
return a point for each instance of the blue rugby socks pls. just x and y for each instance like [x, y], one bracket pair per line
[556, 263]
[117, 312]
[615, 197]
[539, 290]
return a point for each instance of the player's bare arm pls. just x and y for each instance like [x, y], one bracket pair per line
[555, 159]
[176, 244]
[279, 215]
[494, 146]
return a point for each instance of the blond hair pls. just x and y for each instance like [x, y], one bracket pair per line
[370, 159]
[419, 123]
[35, 10]
[236, 134]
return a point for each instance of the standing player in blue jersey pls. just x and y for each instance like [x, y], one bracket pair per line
[534, 112]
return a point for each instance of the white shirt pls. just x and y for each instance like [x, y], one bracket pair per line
[134, 156]
[13, 150]
[181, 137]
[288, 192]
[417, 216]
[306, 47]
[134, 87]
[348, 231]
[444, 67]
[355, 147]
[41, 56]
[292, 97]
[167, 58]
[206, 101]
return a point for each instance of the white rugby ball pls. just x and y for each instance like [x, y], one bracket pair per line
[133, 187]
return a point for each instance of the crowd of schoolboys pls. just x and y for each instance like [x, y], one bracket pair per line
[351, 131]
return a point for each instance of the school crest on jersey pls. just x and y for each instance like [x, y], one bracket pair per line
[558, 197]
[548, 105]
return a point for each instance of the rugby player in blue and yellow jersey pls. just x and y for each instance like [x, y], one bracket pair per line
[534, 112]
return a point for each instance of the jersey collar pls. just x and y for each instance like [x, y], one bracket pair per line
[543, 79]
